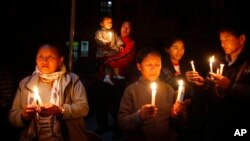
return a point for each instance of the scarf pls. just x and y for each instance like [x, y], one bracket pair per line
[54, 98]
[52, 77]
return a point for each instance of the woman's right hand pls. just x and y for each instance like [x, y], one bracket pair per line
[194, 77]
[148, 111]
[29, 112]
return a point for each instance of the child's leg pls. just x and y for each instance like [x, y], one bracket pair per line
[116, 74]
[107, 77]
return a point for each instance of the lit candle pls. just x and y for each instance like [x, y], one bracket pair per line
[211, 63]
[180, 92]
[153, 87]
[110, 36]
[221, 68]
[217, 71]
[192, 64]
[37, 97]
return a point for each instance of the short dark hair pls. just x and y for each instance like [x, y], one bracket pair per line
[104, 17]
[52, 44]
[233, 28]
[143, 52]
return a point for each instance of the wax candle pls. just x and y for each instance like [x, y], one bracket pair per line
[110, 36]
[180, 92]
[192, 64]
[211, 60]
[217, 71]
[221, 68]
[153, 87]
[37, 97]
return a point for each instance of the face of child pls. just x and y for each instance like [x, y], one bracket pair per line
[176, 51]
[48, 60]
[125, 29]
[106, 23]
[150, 67]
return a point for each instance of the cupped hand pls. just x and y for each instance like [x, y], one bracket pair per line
[180, 107]
[49, 109]
[195, 78]
[220, 81]
[29, 112]
[148, 111]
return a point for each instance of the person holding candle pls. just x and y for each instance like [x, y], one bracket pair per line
[227, 95]
[108, 96]
[48, 99]
[138, 117]
[173, 72]
[108, 43]
[123, 60]
[174, 63]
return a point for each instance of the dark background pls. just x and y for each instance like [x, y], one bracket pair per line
[24, 24]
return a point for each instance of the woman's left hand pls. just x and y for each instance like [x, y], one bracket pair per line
[180, 107]
[50, 109]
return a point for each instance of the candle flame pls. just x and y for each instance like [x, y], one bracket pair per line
[37, 97]
[35, 92]
[153, 85]
[110, 35]
[180, 82]
[211, 59]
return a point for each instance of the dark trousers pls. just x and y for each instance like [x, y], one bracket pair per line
[108, 99]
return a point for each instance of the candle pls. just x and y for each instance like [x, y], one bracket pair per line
[153, 87]
[110, 36]
[37, 97]
[221, 68]
[180, 92]
[217, 71]
[192, 64]
[211, 63]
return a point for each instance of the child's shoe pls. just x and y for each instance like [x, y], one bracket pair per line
[118, 77]
[108, 80]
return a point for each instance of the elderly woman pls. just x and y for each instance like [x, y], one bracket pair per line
[48, 98]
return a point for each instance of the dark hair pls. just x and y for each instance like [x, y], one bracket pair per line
[233, 28]
[52, 44]
[144, 52]
[169, 42]
[104, 17]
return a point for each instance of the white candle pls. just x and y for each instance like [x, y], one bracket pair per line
[37, 97]
[153, 87]
[211, 60]
[217, 71]
[110, 36]
[221, 68]
[180, 92]
[192, 64]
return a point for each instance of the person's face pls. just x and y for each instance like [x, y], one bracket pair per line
[125, 29]
[150, 67]
[106, 23]
[48, 60]
[230, 43]
[176, 51]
